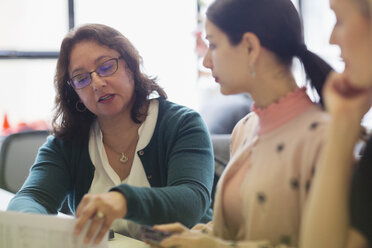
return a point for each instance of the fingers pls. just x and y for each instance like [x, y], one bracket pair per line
[204, 228]
[99, 226]
[104, 229]
[97, 221]
[102, 210]
[173, 228]
[86, 210]
[178, 241]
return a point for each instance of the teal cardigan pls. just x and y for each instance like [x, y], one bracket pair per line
[178, 162]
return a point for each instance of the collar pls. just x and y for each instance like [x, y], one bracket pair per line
[284, 110]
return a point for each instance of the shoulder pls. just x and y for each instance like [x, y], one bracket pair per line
[243, 131]
[312, 124]
[250, 120]
[170, 108]
[246, 125]
[176, 114]
[315, 114]
[175, 122]
[58, 147]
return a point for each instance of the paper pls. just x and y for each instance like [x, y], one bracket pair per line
[23, 230]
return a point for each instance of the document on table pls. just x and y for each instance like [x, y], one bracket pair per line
[23, 230]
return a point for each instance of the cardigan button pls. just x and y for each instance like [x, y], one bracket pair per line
[141, 153]
[149, 176]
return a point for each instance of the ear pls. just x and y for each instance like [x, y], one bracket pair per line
[252, 46]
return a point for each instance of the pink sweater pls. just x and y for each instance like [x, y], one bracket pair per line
[262, 192]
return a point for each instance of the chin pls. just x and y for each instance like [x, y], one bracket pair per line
[360, 80]
[227, 91]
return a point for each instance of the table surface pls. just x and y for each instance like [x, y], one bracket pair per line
[119, 241]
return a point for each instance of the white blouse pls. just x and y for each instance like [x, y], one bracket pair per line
[105, 177]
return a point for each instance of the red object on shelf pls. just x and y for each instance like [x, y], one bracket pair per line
[6, 125]
[22, 126]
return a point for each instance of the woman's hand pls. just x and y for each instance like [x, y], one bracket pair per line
[190, 239]
[172, 228]
[345, 101]
[102, 209]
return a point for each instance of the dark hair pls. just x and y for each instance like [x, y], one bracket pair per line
[277, 25]
[67, 120]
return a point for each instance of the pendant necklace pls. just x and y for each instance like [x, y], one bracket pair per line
[123, 157]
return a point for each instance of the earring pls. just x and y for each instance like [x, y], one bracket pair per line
[252, 73]
[80, 107]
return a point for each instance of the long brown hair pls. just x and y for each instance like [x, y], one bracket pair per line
[67, 121]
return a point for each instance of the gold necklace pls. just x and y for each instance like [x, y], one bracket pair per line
[123, 157]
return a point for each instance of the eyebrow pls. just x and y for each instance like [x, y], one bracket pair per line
[96, 61]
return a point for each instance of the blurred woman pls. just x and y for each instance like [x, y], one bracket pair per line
[340, 216]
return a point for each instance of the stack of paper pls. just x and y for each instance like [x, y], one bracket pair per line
[22, 230]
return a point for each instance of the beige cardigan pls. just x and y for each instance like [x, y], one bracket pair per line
[274, 190]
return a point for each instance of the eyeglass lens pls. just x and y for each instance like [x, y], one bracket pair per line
[104, 70]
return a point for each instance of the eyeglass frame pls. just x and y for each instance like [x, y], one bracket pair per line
[69, 82]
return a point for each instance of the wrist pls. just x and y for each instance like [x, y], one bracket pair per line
[344, 130]
[121, 202]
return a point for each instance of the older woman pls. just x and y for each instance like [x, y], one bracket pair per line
[331, 221]
[116, 152]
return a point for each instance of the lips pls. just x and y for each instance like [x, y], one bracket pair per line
[106, 98]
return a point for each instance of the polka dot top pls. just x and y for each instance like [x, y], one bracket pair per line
[274, 151]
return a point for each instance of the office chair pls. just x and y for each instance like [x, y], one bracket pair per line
[17, 154]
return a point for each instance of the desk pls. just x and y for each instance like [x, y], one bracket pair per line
[119, 241]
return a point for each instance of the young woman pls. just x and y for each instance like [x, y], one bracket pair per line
[339, 215]
[115, 152]
[261, 195]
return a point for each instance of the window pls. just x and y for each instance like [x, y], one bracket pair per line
[162, 31]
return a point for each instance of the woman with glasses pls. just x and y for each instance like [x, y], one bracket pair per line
[340, 206]
[119, 150]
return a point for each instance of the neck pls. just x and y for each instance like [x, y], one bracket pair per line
[273, 79]
[271, 86]
[118, 132]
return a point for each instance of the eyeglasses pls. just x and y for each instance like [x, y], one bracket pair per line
[105, 69]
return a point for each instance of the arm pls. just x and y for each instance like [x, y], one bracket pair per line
[326, 219]
[45, 188]
[326, 216]
[181, 157]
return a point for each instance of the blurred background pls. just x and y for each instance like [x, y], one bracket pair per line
[168, 34]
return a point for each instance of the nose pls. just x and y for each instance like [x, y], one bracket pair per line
[97, 81]
[207, 62]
